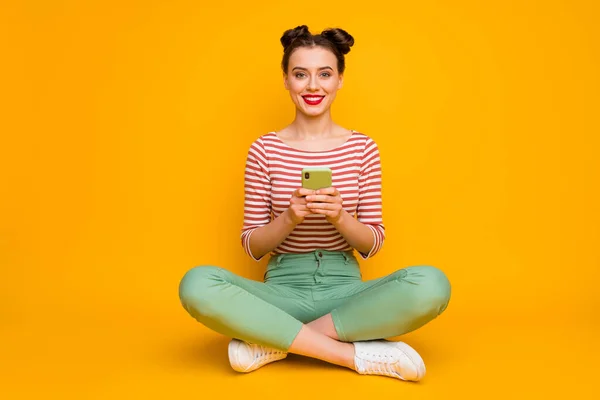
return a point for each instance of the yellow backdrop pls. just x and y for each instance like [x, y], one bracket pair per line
[125, 126]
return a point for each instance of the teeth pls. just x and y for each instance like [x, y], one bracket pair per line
[313, 98]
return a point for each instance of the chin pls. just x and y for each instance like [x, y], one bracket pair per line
[313, 113]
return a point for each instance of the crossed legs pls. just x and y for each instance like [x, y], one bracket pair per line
[254, 312]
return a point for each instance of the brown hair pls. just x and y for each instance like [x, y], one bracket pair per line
[336, 40]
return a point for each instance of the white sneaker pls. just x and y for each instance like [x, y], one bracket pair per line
[394, 359]
[246, 357]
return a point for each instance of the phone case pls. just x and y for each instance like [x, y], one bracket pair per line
[316, 177]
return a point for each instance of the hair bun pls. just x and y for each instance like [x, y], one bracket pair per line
[340, 38]
[292, 34]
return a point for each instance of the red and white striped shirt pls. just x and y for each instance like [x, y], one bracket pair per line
[273, 172]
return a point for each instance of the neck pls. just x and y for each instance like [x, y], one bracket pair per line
[306, 127]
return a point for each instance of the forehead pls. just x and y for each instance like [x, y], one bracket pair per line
[312, 58]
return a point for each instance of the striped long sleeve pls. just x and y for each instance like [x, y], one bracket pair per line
[257, 194]
[369, 209]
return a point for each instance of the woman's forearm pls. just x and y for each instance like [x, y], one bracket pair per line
[268, 237]
[357, 234]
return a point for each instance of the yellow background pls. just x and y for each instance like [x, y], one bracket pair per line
[124, 130]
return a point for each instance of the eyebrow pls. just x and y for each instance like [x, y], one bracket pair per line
[306, 69]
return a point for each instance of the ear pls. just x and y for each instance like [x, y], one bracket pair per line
[285, 82]
[341, 83]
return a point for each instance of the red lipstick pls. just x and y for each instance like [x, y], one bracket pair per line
[313, 100]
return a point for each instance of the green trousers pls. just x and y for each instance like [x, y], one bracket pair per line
[299, 288]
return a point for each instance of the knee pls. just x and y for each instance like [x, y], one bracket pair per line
[196, 286]
[435, 289]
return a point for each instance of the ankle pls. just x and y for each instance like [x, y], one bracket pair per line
[350, 358]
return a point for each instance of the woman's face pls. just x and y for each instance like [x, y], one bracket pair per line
[312, 79]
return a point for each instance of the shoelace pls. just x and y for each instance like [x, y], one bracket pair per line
[265, 353]
[379, 363]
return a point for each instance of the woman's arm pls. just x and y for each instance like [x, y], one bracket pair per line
[257, 204]
[369, 209]
[267, 237]
[361, 236]
[357, 234]
[260, 235]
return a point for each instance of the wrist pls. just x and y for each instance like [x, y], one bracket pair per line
[287, 219]
[341, 220]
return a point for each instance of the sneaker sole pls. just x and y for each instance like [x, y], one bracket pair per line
[414, 357]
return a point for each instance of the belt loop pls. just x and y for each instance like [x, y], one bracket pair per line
[279, 257]
[346, 258]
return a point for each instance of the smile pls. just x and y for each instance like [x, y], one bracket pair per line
[313, 100]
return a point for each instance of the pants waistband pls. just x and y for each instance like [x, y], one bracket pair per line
[316, 255]
[315, 267]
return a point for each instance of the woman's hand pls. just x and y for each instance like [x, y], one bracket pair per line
[327, 202]
[297, 209]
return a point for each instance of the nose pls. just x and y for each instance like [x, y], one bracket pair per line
[313, 83]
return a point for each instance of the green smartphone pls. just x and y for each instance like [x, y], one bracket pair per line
[316, 177]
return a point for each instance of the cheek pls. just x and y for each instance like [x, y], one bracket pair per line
[331, 87]
[332, 90]
[296, 86]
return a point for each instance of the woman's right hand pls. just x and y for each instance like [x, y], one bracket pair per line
[297, 209]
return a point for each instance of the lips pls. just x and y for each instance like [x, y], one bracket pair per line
[313, 100]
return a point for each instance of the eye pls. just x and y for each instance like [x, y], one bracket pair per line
[326, 74]
[299, 75]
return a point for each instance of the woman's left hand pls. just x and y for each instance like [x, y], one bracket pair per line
[327, 202]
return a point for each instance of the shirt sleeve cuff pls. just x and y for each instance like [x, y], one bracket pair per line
[376, 245]
[246, 244]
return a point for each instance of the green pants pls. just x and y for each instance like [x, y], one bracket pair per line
[299, 288]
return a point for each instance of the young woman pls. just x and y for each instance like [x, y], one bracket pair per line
[313, 301]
